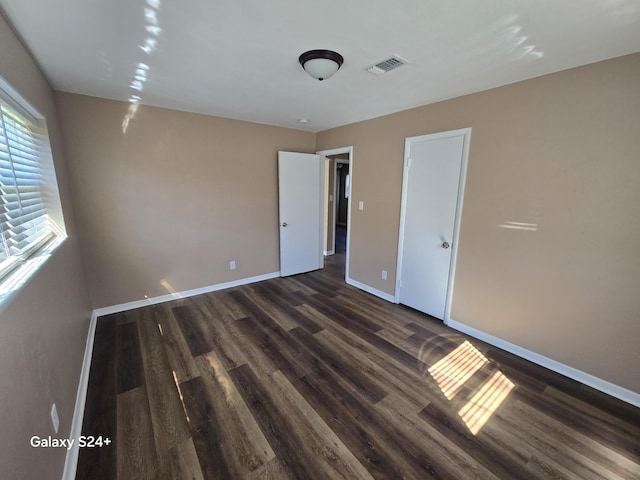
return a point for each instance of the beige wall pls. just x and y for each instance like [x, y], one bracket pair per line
[560, 151]
[165, 203]
[43, 329]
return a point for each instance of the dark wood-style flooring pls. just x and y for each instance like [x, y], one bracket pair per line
[308, 378]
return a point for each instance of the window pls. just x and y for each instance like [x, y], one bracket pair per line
[25, 168]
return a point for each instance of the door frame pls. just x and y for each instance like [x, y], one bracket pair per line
[336, 151]
[466, 133]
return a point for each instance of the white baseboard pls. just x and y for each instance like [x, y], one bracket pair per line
[371, 290]
[123, 307]
[328, 252]
[582, 377]
[71, 461]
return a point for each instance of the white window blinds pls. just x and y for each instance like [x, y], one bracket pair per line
[24, 224]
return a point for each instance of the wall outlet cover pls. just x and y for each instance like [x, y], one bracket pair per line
[55, 420]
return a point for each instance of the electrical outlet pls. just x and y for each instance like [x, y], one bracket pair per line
[232, 265]
[331, 198]
[54, 418]
[384, 274]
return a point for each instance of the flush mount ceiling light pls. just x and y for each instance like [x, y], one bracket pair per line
[321, 64]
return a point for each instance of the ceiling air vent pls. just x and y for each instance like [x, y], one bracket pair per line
[387, 65]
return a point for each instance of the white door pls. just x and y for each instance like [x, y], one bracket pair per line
[300, 182]
[431, 201]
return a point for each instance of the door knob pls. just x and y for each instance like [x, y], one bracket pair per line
[445, 245]
[284, 224]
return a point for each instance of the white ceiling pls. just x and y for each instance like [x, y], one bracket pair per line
[239, 58]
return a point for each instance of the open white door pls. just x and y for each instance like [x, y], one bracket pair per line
[431, 204]
[300, 193]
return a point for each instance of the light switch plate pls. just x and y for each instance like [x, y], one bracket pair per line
[360, 205]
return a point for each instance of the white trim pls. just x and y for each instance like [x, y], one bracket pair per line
[466, 139]
[122, 307]
[16, 101]
[326, 253]
[371, 290]
[322, 241]
[335, 201]
[466, 134]
[71, 460]
[578, 375]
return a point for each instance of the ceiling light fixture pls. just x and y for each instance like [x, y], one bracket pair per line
[321, 64]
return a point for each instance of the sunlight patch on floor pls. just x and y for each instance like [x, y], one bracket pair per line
[454, 370]
[486, 401]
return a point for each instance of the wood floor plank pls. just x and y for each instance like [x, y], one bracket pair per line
[325, 444]
[273, 421]
[371, 369]
[99, 463]
[446, 459]
[412, 378]
[252, 351]
[169, 424]
[363, 328]
[273, 470]
[206, 431]
[317, 284]
[546, 449]
[128, 358]
[136, 453]
[281, 309]
[183, 461]
[278, 311]
[100, 405]
[603, 456]
[359, 428]
[380, 316]
[194, 329]
[343, 367]
[176, 348]
[213, 328]
[221, 303]
[499, 457]
[246, 443]
[617, 440]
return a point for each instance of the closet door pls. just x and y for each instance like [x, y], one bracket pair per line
[430, 204]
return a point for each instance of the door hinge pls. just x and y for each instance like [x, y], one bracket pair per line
[408, 162]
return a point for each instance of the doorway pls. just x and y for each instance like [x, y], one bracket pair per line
[338, 181]
[432, 193]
